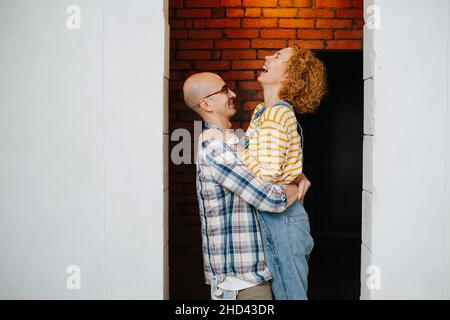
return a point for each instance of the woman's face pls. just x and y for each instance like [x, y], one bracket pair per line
[275, 66]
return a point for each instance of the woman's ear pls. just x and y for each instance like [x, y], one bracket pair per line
[205, 106]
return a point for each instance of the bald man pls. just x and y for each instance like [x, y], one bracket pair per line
[229, 195]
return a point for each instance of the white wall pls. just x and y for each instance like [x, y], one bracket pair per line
[81, 161]
[406, 197]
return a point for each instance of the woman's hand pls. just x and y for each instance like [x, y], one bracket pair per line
[303, 185]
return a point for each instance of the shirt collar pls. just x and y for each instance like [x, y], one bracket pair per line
[230, 137]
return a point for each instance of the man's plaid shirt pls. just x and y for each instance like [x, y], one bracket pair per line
[229, 195]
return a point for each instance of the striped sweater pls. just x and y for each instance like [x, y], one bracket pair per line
[274, 151]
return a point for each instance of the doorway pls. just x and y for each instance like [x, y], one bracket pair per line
[333, 163]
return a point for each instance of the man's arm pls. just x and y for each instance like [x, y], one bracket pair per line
[230, 172]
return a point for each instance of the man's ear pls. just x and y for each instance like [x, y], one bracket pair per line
[205, 106]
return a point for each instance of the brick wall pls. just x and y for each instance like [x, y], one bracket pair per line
[231, 38]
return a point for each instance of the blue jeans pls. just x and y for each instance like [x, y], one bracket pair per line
[287, 246]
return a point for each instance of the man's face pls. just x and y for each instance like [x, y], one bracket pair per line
[220, 98]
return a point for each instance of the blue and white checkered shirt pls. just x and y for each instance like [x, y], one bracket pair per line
[229, 195]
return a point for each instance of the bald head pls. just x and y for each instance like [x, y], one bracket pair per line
[198, 86]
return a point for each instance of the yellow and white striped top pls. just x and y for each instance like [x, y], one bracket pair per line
[274, 152]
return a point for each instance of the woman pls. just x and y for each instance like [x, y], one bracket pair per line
[293, 79]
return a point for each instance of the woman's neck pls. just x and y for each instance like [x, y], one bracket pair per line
[271, 95]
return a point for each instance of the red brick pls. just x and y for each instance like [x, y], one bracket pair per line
[333, 23]
[174, 188]
[315, 13]
[333, 3]
[230, 44]
[308, 44]
[278, 33]
[296, 23]
[358, 3]
[212, 65]
[259, 3]
[201, 3]
[218, 12]
[259, 23]
[205, 34]
[235, 13]
[231, 84]
[194, 55]
[258, 43]
[193, 13]
[263, 53]
[238, 75]
[238, 54]
[176, 4]
[180, 65]
[223, 23]
[242, 33]
[252, 12]
[176, 75]
[178, 34]
[247, 64]
[314, 34]
[358, 24]
[186, 125]
[198, 24]
[250, 105]
[195, 44]
[344, 44]
[183, 199]
[260, 95]
[172, 14]
[190, 189]
[294, 3]
[178, 106]
[249, 85]
[350, 13]
[176, 85]
[230, 3]
[279, 13]
[216, 54]
[177, 24]
[348, 34]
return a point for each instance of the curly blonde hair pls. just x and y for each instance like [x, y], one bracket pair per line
[305, 82]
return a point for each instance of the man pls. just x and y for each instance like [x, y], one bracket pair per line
[229, 195]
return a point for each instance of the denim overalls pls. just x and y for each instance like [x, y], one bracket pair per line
[287, 245]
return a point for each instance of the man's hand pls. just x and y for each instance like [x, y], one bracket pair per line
[303, 185]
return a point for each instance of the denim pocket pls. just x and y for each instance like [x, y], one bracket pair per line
[296, 219]
[299, 237]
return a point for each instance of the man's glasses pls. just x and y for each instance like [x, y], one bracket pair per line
[224, 90]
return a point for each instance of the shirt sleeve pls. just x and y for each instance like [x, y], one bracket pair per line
[231, 173]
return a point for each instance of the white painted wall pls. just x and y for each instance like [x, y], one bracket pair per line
[81, 149]
[406, 197]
